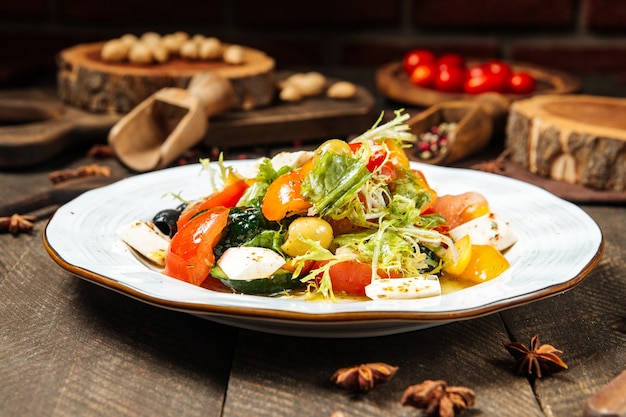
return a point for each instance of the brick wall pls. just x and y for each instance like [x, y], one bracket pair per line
[581, 36]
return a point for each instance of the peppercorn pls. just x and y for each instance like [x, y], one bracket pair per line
[434, 142]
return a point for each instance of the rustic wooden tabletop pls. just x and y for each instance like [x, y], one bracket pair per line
[72, 348]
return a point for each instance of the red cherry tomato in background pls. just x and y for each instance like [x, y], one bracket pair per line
[451, 60]
[424, 75]
[417, 57]
[499, 68]
[480, 84]
[450, 79]
[521, 83]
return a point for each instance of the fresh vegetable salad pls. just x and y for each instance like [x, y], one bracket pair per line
[347, 219]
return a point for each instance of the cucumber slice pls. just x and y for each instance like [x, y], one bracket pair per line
[282, 280]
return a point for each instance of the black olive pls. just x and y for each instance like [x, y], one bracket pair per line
[165, 220]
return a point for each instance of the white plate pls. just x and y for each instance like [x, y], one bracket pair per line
[558, 245]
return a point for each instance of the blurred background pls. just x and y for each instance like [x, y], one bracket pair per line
[584, 37]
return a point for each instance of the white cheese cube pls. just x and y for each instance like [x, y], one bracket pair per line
[248, 262]
[486, 230]
[403, 288]
[146, 239]
[290, 159]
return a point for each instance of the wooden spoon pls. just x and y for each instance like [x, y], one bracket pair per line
[475, 125]
[169, 122]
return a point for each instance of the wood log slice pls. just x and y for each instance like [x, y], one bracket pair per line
[88, 82]
[571, 138]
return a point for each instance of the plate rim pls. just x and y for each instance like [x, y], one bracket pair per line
[242, 312]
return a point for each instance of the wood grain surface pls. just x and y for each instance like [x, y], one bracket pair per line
[72, 348]
[69, 347]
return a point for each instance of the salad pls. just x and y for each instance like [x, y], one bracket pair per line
[347, 219]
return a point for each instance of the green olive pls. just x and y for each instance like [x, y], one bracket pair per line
[334, 146]
[313, 228]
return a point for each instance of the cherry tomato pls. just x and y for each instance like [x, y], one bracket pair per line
[489, 77]
[461, 208]
[451, 60]
[423, 75]
[350, 277]
[228, 197]
[499, 68]
[416, 57]
[384, 158]
[190, 254]
[450, 79]
[522, 83]
[283, 196]
[484, 83]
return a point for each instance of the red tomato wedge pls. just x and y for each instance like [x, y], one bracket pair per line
[190, 254]
[349, 277]
[228, 197]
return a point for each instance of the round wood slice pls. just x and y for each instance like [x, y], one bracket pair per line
[88, 82]
[393, 82]
[572, 138]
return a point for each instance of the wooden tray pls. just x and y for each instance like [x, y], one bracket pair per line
[35, 125]
[393, 83]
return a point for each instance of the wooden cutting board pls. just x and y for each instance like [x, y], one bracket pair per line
[578, 139]
[35, 125]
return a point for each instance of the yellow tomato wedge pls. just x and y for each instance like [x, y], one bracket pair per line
[486, 262]
[463, 248]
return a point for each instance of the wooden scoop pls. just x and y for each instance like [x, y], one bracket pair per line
[475, 125]
[169, 122]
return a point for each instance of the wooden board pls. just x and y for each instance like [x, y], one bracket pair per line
[35, 125]
[577, 139]
[393, 83]
[88, 82]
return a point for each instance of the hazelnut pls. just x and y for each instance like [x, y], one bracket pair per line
[341, 90]
[233, 54]
[114, 50]
[290, 93]
[150, 38]
[210, 48]
[129, 39]
[140, 54]
[310, 83]
[173, 41]
[189, 50]
[159, 52]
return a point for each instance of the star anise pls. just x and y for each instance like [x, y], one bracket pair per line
[364, 377]
[93, 170]
[537, 359]
[16, 224]
[494, 166]
[101, 151]
[436, 398]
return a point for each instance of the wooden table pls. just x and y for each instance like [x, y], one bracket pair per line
[71, 348]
